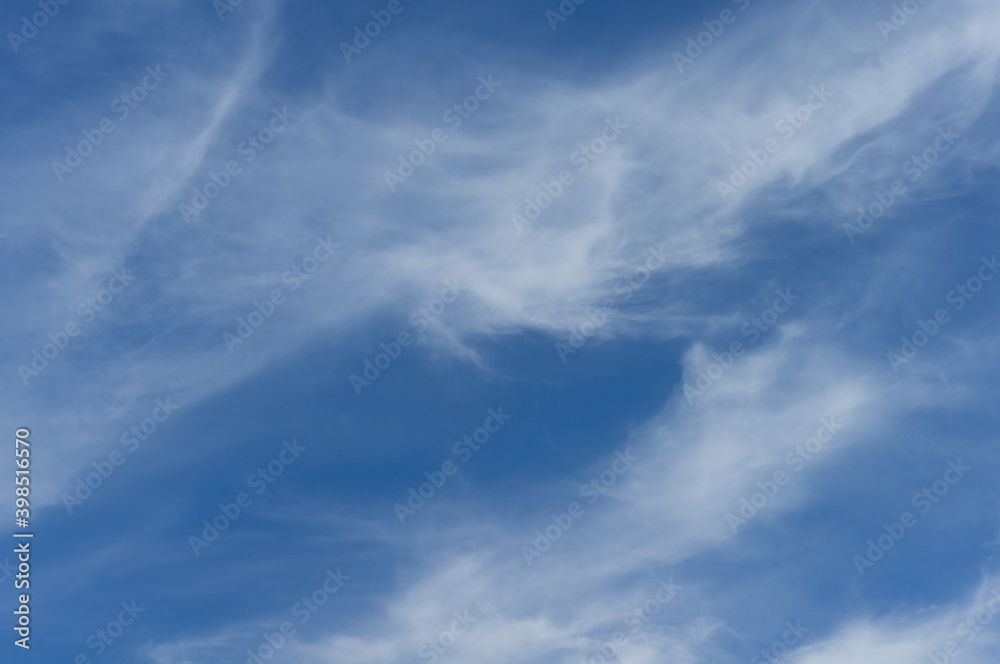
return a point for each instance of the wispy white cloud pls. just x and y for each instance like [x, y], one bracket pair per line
[656, 186]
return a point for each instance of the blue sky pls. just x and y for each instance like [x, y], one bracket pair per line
[507, 337]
